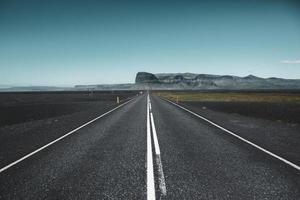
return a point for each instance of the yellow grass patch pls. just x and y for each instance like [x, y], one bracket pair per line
[230, 96]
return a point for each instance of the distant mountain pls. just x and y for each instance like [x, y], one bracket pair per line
[209, 81]
[125, 86]
[180, 81]
[4, 86]
[145, 77]
[33, 88]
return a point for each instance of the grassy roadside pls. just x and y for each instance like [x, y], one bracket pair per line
[231, 97]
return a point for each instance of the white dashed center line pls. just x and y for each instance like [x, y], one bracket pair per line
[150, 173]
[150, 170]
[161, 177]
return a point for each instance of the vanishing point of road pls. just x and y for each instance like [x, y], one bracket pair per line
[150, 148]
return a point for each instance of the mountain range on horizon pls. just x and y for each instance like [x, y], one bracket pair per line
[193, 81]
[181, 81]
[209, 81]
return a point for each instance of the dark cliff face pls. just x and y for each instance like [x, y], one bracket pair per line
[209, 81]
[145, 77]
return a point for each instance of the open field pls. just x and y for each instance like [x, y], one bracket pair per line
[18, 107]
[268, 97]
[280, 106]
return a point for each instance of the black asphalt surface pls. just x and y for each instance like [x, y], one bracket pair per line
[107, 160]
[202, 162]
[281, 138]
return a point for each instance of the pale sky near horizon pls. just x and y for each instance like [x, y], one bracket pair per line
[63, 43]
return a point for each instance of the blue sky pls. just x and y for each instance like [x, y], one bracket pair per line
[89, 42]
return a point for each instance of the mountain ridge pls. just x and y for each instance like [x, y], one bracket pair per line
[180, 81]
[211, 81]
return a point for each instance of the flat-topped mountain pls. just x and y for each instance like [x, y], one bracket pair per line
[145, 77]
[209, 81]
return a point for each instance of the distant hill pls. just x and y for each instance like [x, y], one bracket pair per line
[145, 77]
[34, 88]
[209, 81]
[125, 86]
[179, 81]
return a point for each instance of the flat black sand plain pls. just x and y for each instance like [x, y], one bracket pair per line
[285, 112]
[19, 107]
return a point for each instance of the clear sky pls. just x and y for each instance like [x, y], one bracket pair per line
[60, 42]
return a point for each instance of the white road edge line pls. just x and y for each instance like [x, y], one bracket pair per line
[239, 137]
[161, 177]
[150, 173]
[60, 138]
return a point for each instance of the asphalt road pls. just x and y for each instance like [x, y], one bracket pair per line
[110, 159]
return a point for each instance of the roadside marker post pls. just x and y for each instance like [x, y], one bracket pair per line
[118, 100]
